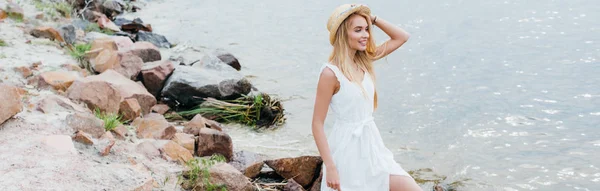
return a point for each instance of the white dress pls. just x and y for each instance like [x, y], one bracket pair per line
[362, 160]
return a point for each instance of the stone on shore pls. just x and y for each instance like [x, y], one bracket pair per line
[301, 169]
[154, 126]
[211, 142]
[11, 102]
[189, 85]
[156, 39]
[155, 74]
[107, 90]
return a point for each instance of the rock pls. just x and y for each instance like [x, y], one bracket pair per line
[154, 128]
[87, 123]
[11, 102]
[148, 185]
[156, 39]
[111, 8]
[301, 169]
[104, 146]
[293, 186]
[54, 103]
[122, 42]
[130, 109]
[132, 26]
[193, 126]
[221, 56]
[47, 32]
[107, 43]
[68, 33]
[25, 71]
[14, 11]
[108, 136]
[83, 138]
[121, 132]
[444, 187]
[96, 94]
[130, 65]
[225, 174]
[230, 60]
[58, 80]
[154, 75]
[148, 149]
[81, 24]
[187, 141]
[173, 151]
[114, 87]
[317, 183]
[105, 60]
[188, 86]
[106, 23]
[91, 36]
[214, 125]
[248, 163]
[160, 108]
[211, 142]
[145, 50]
[3, 15]
[59, 143]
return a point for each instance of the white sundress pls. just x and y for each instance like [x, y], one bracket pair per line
[362, 160]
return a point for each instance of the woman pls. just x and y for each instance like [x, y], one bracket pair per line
[354, 155]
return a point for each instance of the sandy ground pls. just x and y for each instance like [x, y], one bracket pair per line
[27, 163]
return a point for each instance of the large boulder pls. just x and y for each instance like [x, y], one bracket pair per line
[224, 174]
[212, 141]
[154, 75]
[11, 102]
[107, 90]
[189, 85]
[112, 8]
[302, 169]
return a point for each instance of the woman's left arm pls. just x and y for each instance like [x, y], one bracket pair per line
[398, 36]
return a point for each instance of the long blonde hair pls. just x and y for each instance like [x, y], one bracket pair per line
[362, 59]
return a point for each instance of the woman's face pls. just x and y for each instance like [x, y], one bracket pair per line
[358, 33]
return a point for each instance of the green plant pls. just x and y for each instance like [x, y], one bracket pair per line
[3, 43]
[94, 27]
[200, 169]
[111, 120]
[78, 52]
[256, 111]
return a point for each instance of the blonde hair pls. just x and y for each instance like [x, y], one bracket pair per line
[363, 59]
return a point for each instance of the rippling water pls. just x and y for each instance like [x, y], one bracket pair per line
[503, 94]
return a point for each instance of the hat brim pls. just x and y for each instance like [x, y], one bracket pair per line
[340, 14]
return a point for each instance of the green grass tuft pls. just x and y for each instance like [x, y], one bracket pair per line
[200, 169]
[3, 43]
[94, 27]
[111, 120]
[79, 54]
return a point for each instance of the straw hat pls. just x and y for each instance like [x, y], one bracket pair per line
[340, 14]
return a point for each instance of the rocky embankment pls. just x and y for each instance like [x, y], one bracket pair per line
[84, 92]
